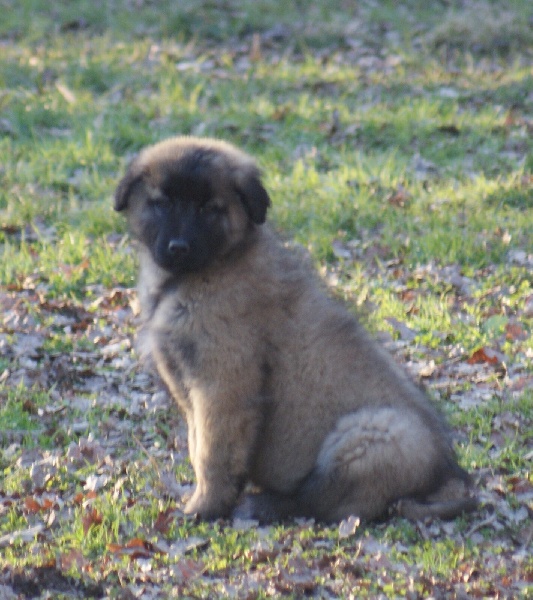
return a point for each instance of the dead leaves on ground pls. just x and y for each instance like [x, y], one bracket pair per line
[103, 379]
[108, 418]
[135, 548]
[66, 347]
[483, 355]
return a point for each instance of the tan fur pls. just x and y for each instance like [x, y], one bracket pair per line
[279, 384]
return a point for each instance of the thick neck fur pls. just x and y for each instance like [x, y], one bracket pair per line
[155, 280]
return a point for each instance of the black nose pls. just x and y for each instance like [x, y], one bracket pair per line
[178, 247]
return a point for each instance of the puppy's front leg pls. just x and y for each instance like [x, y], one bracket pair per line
[225, 425]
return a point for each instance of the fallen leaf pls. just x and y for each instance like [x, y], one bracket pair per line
[136, 548]
[512, 118]
[187, 569]
[73, 558]
[47, 504]
[483, 355]
[514, 331]
[520, 383]
[185, 546]
[136, 543]
[163, 521]
[399, 198]
[95, 482]
[262, 552]
[90, 518]
[349, 526]
[32, 506]
[51, 518]
[297, 577]
[302, 582]
[427, 369]
[78, 498]
[23, 535]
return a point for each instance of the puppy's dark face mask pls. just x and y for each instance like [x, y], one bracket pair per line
[184, 226]
[191, 209]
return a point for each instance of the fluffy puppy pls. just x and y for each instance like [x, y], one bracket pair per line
[281, 387]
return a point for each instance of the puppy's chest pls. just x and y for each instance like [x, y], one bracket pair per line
[173, 340]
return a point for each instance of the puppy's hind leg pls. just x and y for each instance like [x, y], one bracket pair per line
[372, 458]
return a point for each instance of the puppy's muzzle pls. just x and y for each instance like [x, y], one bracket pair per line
[178, 248]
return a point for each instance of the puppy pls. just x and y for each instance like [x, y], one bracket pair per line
[281, 387]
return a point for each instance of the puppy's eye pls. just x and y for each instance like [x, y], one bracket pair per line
[159, 203]
[212, 208]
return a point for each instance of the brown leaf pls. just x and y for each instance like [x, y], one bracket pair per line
[519, 383]
[187, 569]
[74, 558]
[29, 407]
[298, 579]
[47, 504]
[483, 355]
[91, 517]
[399, 198]
[520, 485]
[262, 552]
[408, 295]
[115, 548]
[163, 521]
[136, 548]
[135, 542]
[78, 498]
[511, 119]
[514, 331]
[281, 112]
[31, 505]
[148, 546]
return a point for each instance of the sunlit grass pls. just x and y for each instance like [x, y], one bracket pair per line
[398, 132]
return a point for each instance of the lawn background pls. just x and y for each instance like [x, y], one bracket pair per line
[396, 143]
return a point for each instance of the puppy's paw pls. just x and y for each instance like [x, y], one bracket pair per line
[265, 507]
[207, 507]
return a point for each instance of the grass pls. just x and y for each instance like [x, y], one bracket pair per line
[396, 144]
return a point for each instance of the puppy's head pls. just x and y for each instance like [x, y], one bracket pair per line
[192, 200]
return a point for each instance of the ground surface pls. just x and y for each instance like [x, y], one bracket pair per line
[396, 144]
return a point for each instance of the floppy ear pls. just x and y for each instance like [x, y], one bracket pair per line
[124, 188]
[252, 194]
